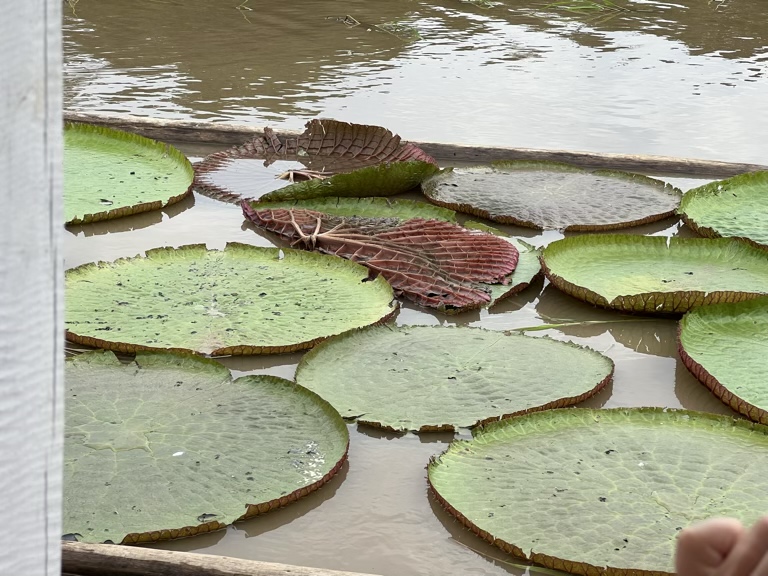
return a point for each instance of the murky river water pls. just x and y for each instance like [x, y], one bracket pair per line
[688, 78]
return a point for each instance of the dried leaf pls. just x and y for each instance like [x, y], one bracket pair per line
[433, 263]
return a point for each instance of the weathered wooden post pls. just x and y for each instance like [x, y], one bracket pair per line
[31, 334]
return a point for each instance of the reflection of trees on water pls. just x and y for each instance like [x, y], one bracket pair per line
[652, 336]
[286, 56]
[734, 29]
[277, 53]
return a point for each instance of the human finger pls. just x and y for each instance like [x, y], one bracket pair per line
[702, 548]
[749, 553]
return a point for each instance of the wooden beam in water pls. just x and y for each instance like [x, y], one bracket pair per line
[79, 559]
[233, 134]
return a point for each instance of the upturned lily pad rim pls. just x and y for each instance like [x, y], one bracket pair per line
[345, 184]
[513, 165]
[671, 301]
[558, 403]
[733, 401]
[428, 210]
[251, 510]
[707, 231]
[237, 350]
[553, 562]
[148, 143]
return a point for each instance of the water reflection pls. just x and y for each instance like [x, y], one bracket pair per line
[645, 335]
[684, 79]
[463, 538]
[693, 395]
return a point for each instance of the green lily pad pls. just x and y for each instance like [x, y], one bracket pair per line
[380, 180]
[429, 378]
[654, 274]
[553, 195]
[109, 173]
[330, 158]
[603, 491]
[528, 264]
[242, 300]
[365, 208]
[736, 207]
[724, 347]
[168, 446]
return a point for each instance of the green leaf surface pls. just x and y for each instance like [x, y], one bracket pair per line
[528, 264]
[428, 378]
[379, 180]
[654, 274]
[242, 300]
[724, 346]
[109, 173]
[736, 207]
[365, 208]
[603, 491]
[553, 196]
[169, 446]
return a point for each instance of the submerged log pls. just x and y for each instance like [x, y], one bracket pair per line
[79, 559]
[233, 134]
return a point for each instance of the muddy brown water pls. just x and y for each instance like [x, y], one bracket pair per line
[685, 79]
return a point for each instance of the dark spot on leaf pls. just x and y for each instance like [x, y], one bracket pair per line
[603, 499]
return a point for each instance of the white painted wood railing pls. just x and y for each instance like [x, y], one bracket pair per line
[31, 329]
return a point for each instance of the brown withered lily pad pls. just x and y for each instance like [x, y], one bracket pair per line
[330, 158]
[433, 263]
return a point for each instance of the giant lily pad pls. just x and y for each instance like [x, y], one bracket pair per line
[724, 347]
[330, 158]
[169, 446]
[653, 274]
[552, 195]
[242, 300]
[603, 491]
[429, 378]
[736, 207]
[109, 173]
[401, 209]
[431, 262]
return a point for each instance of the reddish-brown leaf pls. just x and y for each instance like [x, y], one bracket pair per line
[325, 148]
[433, 263]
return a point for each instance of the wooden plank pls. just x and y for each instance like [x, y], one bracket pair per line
[112, 560]
[31, 324]
[231, 134]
